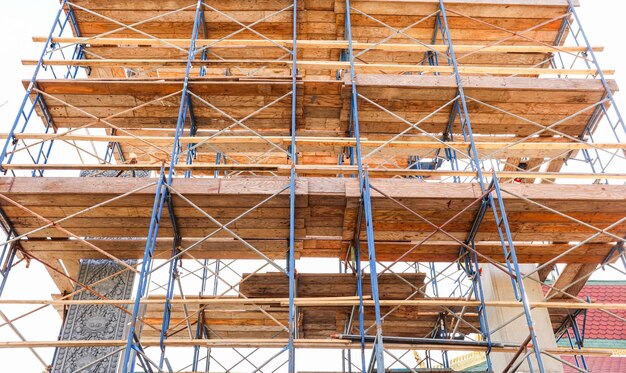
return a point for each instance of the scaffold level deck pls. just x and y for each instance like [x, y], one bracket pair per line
[471, 23]
[326, 213]
[143, 113]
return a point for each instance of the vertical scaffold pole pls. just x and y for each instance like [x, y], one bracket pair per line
[200, 329]
[159, 202]
[292, 195]
[366, 201]
[505, 237]
[359, 285]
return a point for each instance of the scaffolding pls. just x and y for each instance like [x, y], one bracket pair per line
[325, 177]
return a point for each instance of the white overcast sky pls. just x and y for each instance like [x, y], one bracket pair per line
[604, 21]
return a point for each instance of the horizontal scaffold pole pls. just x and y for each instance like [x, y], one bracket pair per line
[484, 145]
[280, 343]
[317, 44]
[360, 67]
[326, 302]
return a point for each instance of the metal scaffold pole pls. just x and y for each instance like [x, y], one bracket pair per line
[291, 260]
[133, 344]
[378, 349]
[501, 218]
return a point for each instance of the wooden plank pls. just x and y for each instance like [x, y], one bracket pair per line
[218, 248]
[359, 67]
[546, 144]
[324, 105]
[322, 207]
[275, 285]
[279, 343]
[324, 44]
[225, 248]
[571, 280]
[229, 301]
[310, 170]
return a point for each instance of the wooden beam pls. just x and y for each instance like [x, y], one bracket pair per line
[316, 44]
[309, 170]
[361, 67]
[55, 270]
[327, 302]
[228, 300]
[72, 267]
[280, 343]
[542, 143]
[544, 272]
[571, 280]
[457, 303]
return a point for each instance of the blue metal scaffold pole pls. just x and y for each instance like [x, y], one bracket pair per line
[291, 264]
[162, 191]
[501, 219]
[378, 349]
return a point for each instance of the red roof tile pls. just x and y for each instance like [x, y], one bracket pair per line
[599, 364]
[601, 325]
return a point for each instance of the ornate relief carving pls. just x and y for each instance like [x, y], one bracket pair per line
[90, 322]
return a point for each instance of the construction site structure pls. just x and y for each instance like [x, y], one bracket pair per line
[314, 185]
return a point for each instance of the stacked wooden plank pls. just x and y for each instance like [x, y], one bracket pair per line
[470, 22]
[326, 212]
[265, 19]
[269, 321]
[321, 109]
[417, 107]
[413, 98]
[380, 25]
[312, 285]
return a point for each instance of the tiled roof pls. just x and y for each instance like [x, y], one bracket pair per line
[602, 364]
[596, 364]
[602, 330]
[601, 325]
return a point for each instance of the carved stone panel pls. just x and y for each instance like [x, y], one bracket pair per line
[93, 322]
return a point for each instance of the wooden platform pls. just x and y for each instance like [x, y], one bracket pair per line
[322, 115]
[471, 23]
[326, 211]
[322, 105]
[269, 321]
[228, 321]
